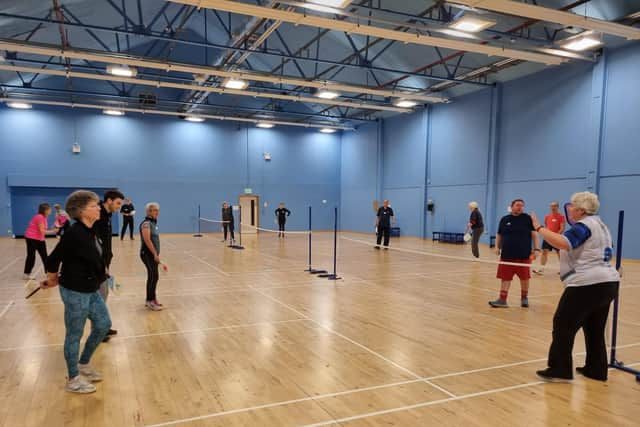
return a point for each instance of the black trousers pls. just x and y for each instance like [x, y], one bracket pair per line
[227, 227]
[153, 274]
[32, 246]
[63, 229]
[127, 221]
[585, 307]
[475, 238]
[386, 232]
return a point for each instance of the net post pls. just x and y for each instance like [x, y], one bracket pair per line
[334, 275]
[198, 234]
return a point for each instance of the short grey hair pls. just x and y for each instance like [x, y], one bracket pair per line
[586, 201]
[473, 205]
[78, 201]
[152, 205]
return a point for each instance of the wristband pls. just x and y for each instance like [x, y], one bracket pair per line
[538, 229]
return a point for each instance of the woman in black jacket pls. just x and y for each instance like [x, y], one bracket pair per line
[83, 269]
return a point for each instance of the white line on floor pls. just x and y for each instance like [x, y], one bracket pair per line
[6, 309]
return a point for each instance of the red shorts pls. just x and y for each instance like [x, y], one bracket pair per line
[506, 272]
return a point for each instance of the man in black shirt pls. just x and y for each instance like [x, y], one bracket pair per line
[384, 218]
[476, 226]
[282, 213]
[128, 211]
[227, 224]
[112, 203]
[516, 242]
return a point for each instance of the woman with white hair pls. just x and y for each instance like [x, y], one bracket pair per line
[591, 283]
[150, 253]
[476, 226]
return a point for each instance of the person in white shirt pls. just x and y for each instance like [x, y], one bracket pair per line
[591, 284]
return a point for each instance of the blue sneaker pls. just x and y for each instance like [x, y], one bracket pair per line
[499, 303]
[524, 302]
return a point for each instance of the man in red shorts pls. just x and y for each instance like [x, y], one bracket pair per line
[514, 242]
[554, 221]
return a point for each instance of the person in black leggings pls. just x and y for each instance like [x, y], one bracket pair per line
[384, 218]
[227, 225]
[150, 253]
[282, 213]
[34, 236]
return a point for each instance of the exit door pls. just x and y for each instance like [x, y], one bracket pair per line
[249, 211]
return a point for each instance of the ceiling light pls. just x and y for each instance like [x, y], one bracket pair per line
[582, 43]
[194, 119]
[405, 103]
[327, 94]
[113, 112]
[340, 4]
[265, 125]
[471, 24]
[236, 84]
[19, 105]
[122, 70]
[327, 130]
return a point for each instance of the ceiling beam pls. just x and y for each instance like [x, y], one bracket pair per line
[552, 15]
[138, 61]
[367, 30]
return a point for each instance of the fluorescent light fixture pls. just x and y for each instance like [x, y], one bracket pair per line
[122, 70]
[327, 94]
[19, 105]
[327, 130]
[235, 84]
[405, 103]
[265, 125]
[113, 112]
[456, 33]
[471, 24]
[340, 4]
[194, 119]
[582, 43]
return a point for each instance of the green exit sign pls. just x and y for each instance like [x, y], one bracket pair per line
[248, 190]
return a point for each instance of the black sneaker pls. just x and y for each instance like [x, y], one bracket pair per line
[580, 371]
[112, 332]
[106, 339]
[377, 247]
[547, 376]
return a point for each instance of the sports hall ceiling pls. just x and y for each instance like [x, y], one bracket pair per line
[364, 56]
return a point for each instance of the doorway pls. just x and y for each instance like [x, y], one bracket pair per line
[250, 211]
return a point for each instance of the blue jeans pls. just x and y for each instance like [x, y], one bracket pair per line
[78, 307]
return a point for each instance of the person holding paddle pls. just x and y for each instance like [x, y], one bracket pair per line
[83, 270]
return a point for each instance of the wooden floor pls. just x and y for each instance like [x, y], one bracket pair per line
[248, 339]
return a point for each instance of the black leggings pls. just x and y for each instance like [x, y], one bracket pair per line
[33, 246]
[228, 228]
[153, 275]
[383, 232]
[585, 307]
[127, 221]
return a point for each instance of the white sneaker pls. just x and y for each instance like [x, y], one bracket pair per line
[153, 306]
[539, 271]
[90, 373]
[28, 276]
[79, 385]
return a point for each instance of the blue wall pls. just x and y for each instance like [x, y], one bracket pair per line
[177, 163]
[541, 138]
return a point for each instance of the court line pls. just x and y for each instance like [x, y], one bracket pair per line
[6, 308]
[3, 269]
[210, 265]
[423, 404]
[155, 334]
[357, 344]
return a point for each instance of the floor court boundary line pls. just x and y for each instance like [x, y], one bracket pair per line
[6, 267]
[6, 308]
[357, 344]
[155, 334]
[206, 263]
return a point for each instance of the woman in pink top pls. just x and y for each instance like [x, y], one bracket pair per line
[34, 237]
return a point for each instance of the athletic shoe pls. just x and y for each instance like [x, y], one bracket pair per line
[28, 276]
[112, 332]
[106, 339]
[547, 376]
[539, 271]
[79, 385]
[157, 303]
[499, 303]
[89, 373]
[376, 247]
[386, 248]
[153, 306]
[524, 302]
[580, 370]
